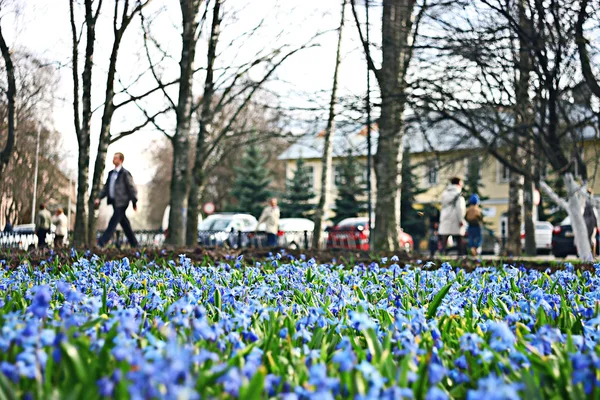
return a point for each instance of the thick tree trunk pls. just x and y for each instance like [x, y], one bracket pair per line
[397, 19]
[180, 179]
[515, 209]
[83, 172]
[206, 120]
[326, 159]
[10, 94]
[388, 164]
[179, 190]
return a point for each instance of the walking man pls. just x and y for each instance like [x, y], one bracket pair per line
[62, 230]
[452, 214]
[270, 217]
[42, 226]
[120, 191]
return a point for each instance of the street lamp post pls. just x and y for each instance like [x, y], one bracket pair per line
[35, 175]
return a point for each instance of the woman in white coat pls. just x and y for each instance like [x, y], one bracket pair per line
[452, 215]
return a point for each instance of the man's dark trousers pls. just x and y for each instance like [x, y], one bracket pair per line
[117, 218]
[41, 234]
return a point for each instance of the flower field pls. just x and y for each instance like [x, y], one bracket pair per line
[293, 329]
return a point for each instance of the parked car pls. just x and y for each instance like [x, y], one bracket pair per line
[224, 229]
[353, 233]
[290, 234]
[563, 241]
[543, 236]
[490, 243]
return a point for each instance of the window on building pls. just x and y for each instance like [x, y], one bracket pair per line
[337, 175]
[432, 173]
[310, 172]
[503, 173]
[338, 171]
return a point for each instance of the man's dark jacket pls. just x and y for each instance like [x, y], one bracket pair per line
[125, 190]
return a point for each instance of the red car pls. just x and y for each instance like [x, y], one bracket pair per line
[353, 234]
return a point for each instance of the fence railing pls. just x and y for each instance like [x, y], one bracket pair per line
[225, 239]
[22, 240]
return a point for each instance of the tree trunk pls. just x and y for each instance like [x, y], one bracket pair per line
[83, 172]
[515, 209]
[107, 114]
[396, 33]
[80, 235]
[180, 179]
[206, 121]
[528, 217]
[10, 94]
[574, 207]
[326, 159]
[179, 190]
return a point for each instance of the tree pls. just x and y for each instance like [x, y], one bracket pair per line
[348, 203]
[506, 110]
[582, 44]
[326, 159]
[473, 183]
[251, 186]
[121, 21]
[399, 30]
[10, 95]
[411, 220]
[124, 12]
[227, 93]
[297, 201]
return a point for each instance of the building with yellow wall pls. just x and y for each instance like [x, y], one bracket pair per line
[435, 157]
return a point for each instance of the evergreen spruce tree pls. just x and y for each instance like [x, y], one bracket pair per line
[349, 190]
[299, 193]
[252, 181]
[411, 220]
[473, 184]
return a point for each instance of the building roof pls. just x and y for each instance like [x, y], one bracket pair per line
[443, 136]
[438, 136]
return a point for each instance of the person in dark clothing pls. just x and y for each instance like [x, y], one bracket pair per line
[8, 228]
[119, 190]
[591, 220]
[43, 223]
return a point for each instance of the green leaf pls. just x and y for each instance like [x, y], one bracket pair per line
[76, 366]
[254, 390]
[437, 300]
[7, 391]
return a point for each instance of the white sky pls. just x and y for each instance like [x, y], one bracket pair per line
[43, 27]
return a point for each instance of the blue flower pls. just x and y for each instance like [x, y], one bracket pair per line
[41, 301]
[494, 388]
[437, 372]
[502, 337]
[435, 393]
